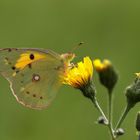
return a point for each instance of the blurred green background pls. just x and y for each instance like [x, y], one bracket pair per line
[110, 29]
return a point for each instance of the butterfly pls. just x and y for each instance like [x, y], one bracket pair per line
[34, 74]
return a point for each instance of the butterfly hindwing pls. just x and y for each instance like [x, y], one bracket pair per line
[34, 75]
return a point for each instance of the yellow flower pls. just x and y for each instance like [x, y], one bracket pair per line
[101, 66]
[80, 75]
[107, 73]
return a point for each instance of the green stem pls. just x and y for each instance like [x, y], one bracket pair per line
[110, 109]
[110, 116]
[123, 116]
[95, 102]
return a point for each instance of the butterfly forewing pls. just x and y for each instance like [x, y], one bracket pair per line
[34, 75]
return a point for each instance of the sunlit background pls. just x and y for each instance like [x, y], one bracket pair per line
[110, 29]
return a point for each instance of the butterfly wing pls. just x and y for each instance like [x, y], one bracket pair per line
[34, 75]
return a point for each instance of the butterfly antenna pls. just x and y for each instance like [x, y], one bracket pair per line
[77, 46]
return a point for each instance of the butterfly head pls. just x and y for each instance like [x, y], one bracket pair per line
[68, 57]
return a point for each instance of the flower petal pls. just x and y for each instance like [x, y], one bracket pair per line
[79, 75]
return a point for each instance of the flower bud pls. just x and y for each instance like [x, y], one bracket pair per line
[107, 74]
[119, 132]
[102, 120]
[89, 90]
[133, 92]
[138, 122]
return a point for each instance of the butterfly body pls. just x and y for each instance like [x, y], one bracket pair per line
[34, 74]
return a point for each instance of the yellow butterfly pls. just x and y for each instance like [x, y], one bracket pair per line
[34, 74]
